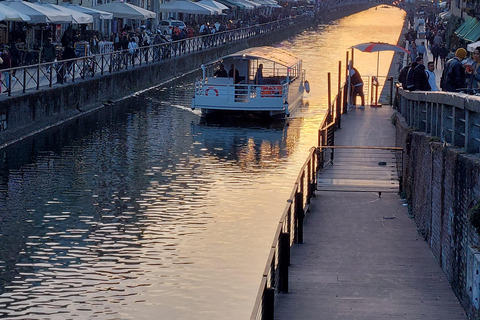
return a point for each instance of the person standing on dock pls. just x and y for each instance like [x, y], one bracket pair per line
[453, 77]
[356, 84]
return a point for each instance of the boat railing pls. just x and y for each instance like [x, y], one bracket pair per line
[240, 92]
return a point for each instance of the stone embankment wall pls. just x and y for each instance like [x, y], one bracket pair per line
[441, 185]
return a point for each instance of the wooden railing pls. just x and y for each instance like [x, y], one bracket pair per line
[290, 226]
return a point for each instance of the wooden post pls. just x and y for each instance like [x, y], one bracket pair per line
[329, 88]
[338, 111]
[268, 304]
[300, 215]
[284, 261]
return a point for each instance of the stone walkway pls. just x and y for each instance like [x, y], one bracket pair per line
[362, 257]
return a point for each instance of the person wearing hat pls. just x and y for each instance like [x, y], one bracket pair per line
[453, 77]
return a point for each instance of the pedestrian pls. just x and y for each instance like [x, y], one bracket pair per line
[421, 50]
[432, 80]
[68, 53]
[402, 76]
[410, 77]
[473, 71]
[435, 50]
[420, 78]
[453, 77]
[94, 44]
[48, 51]
[7, 64]
[443, 55]
[356, 86]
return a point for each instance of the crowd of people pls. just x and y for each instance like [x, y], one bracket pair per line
[458, 72]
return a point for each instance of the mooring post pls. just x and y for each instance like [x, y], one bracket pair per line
[284, 261]
[268, 304]
[300, 215]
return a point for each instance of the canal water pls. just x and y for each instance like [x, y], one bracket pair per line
[144, 211]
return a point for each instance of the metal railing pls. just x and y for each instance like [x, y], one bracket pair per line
[453, 118]
[22, 78]
[290, 227]
[289, 231]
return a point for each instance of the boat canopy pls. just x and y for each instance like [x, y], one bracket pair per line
[275, 55]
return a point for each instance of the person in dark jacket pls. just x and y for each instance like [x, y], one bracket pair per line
[453, 77]
[68, 53]
[443, 54]
[420, 78]
[48, 51]
[410, 78]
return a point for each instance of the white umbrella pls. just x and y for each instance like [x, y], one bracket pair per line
[214, 4]
[186, 6]
[126, 11]
[10, 14]
[39, 13]
[78, 17]
[98, 14]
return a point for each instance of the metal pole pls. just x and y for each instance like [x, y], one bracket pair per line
[329, 88]
[338, 111]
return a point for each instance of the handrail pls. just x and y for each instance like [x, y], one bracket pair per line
[453, 118]
[290, 227]
[47, 74]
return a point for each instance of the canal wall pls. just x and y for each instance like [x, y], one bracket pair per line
[442, 187]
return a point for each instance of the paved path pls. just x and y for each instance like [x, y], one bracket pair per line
[362, 258]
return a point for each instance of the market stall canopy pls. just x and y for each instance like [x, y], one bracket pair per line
[98, 14]
[214, 4]
[77, 17]
[186, 6]
[472, 46]
[268, 3]
[39, 13]
[126, 11]
[10, 14]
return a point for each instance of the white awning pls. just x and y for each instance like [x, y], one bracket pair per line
[10, 14]
[187, 6]
[126, 11]
[39, 13]
[93, 12]
[78, 17]
[214, 4]
[276, 55]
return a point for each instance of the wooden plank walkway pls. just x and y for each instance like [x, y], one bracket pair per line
[362, 257]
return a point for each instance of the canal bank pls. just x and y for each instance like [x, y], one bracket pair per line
[27, 114]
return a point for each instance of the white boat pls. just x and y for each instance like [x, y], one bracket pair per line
[278, 92]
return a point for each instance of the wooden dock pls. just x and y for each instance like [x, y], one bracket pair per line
[362, 257]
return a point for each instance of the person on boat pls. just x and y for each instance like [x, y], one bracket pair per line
[259, 75]
[356, 84]
[221, 72]
[233, 71]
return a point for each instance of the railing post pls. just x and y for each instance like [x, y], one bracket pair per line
[300, 216]
[338, 111]
[329, 94]
[284, 261]
[268, 304]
